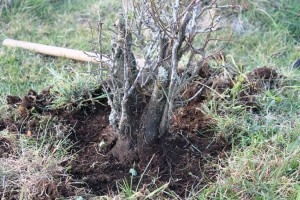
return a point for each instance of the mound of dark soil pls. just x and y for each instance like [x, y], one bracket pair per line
[180, 158]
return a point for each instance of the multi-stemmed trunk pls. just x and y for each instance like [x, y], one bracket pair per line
[142, 97]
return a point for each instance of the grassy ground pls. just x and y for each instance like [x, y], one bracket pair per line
[264, 162]
[265, 159]
[61, 23]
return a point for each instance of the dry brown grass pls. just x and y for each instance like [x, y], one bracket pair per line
[32, 172]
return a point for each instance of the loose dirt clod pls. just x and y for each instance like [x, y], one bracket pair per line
[257, 81]
[6, 147]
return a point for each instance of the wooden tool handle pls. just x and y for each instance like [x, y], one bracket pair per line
[53, 51]
[60, 52]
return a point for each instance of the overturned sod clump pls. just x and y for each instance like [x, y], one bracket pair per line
[182, 159]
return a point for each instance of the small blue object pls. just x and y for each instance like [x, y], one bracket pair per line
[133, 172]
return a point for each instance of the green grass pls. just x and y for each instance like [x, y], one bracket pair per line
[269, 42]
[74, 89]
[264, 161]
[62, 24]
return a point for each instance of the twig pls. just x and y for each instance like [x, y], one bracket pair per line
[193, 146]
[144, 172]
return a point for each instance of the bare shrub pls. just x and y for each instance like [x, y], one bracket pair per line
[173, 45]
